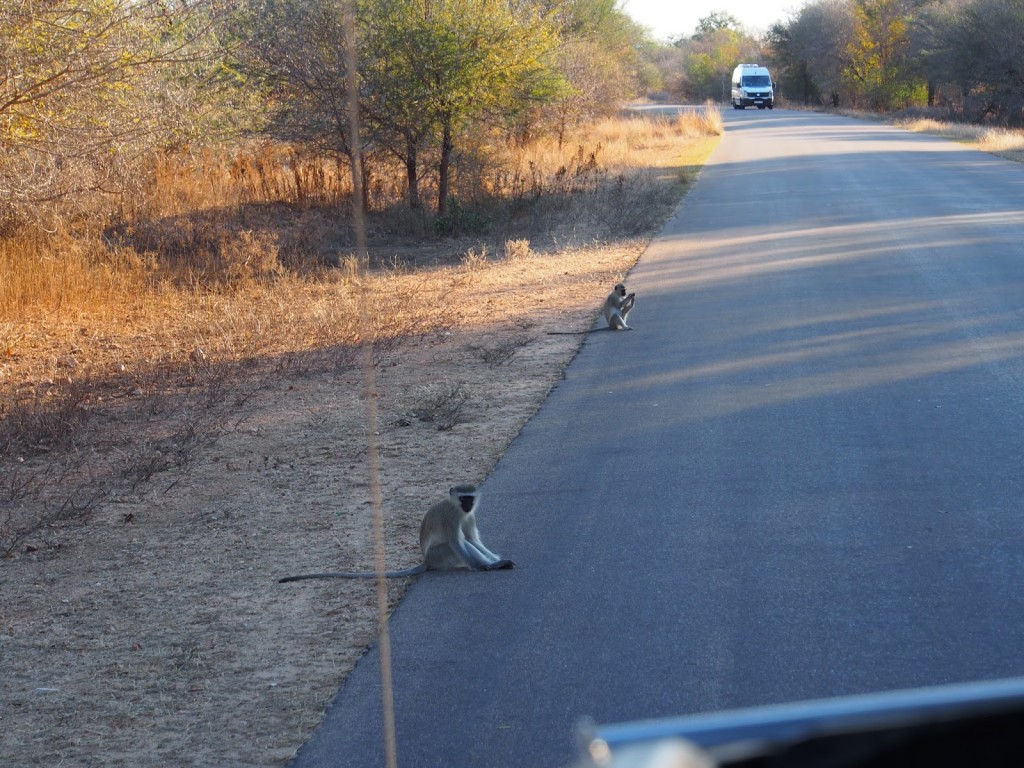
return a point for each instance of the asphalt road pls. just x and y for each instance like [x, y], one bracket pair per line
[800, 476]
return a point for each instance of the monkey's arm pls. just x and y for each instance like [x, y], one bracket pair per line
[474, 541]
[421, 568]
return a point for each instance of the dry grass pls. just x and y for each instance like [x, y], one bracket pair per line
[223, 222]
[1003, 142]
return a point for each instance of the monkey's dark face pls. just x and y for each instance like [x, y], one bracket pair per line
[466, 502]
[620, 289]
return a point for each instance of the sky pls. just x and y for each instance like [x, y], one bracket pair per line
[676, 18]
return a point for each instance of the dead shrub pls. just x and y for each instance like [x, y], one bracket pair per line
[60, 455]
[442, 405]
[517, 250]
[502, 352]
[44, 419]
[30, 506]
[204, 250]
[474, 260]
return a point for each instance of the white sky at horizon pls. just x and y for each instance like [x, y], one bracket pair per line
[670, 20]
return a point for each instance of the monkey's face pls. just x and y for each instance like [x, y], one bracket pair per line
[620, 289]
[466, 502]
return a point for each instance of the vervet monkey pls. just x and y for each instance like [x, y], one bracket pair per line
[448, 537]
[616, 309]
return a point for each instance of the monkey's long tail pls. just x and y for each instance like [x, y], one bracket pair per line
[580, 333]
[415, 570]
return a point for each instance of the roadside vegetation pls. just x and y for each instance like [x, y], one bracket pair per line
[1004, 142]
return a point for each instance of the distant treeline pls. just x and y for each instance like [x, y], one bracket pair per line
[965, 57]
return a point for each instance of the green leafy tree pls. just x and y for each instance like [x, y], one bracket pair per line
[598, 60]
[880, 61]
[712, 52]
[661, 68]
[716, 21]
[432, 68]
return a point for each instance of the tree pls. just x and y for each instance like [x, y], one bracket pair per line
[295, 52]
[853, 51]
[812, 51]
[431, 67]
[597, 59]
[716, 21]
[595, 84]
[977, 44]
[880, 61]
[88, 88]
[711, 54]
[660, 68]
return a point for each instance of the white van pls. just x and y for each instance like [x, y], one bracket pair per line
[752, 86]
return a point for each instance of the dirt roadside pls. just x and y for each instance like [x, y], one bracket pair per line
[154, 632]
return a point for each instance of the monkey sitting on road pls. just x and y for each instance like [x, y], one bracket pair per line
[616, 309]
[448, 537]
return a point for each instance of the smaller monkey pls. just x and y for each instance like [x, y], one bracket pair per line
[616, 309]
[448, 537]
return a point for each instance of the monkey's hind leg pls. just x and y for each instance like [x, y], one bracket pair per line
[494, 562]
[617, 322]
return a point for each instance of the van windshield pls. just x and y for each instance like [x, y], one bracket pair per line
[757, 81]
